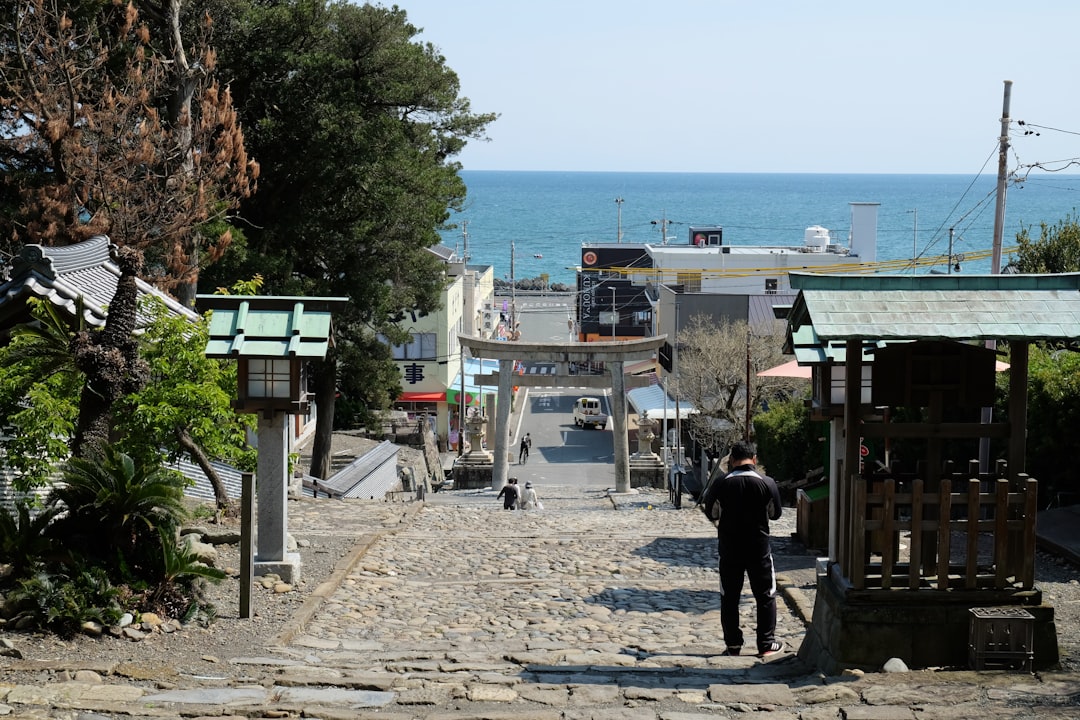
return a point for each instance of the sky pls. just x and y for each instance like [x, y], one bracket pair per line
[840, 86]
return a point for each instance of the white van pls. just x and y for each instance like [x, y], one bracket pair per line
[587, 412]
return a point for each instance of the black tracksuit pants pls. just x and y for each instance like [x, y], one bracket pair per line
[752, 557]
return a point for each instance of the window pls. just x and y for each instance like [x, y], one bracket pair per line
[269, 378]
[421, 347]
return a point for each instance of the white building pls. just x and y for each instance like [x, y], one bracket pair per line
[705, 264]
[432, 363]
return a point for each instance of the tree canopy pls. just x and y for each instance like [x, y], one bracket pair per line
[111, 122]
[355, 124]
[1056, 250]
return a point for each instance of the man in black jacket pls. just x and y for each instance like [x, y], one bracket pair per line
[745, 501]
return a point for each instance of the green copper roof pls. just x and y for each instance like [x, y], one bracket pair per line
[257, 326]
[937, 307]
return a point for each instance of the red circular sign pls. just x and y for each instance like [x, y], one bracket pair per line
[863, 450]
[589, 258]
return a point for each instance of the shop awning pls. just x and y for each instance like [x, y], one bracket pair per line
[473, 392]
[790, 369]
[651, 400]
[640, 367]
[422, 397]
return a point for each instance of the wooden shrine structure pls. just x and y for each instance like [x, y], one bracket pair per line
[918, 545]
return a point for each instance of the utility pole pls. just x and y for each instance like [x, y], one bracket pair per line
[465, 240]
[614, 313]
[746, 431]
[461, 404]
[618, 204]
[1002, 180]
[513, 292]
[951, 230]
[999, 229]
[663, 222]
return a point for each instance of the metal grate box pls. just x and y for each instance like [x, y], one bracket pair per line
[1001, 637]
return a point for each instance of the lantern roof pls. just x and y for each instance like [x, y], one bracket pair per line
[269, 326]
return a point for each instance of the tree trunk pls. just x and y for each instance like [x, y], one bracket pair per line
[221, 495]
[109, 359]
[324, 381]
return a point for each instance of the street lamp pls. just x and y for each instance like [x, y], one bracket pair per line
[618, 204]
[915, 242]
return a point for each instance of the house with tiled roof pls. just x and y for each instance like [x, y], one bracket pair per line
[62, 274]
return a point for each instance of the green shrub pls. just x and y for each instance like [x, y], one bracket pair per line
[63, 602]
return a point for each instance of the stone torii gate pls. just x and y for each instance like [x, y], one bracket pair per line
[613, 355]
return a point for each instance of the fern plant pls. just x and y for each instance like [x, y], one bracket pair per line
[24, 545]
[175, 593]
[116, 509]
[63, 602]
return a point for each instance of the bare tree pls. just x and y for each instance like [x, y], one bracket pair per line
[716, 361]
[103, 135]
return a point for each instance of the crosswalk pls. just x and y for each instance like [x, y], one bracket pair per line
[539, 368]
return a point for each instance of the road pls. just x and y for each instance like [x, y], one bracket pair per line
[562, 453]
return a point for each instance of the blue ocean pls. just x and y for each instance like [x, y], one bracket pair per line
[541, 219]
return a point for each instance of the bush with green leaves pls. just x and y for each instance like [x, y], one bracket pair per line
[106, 541]
[24, 542]
[63, 601]
[787, 440]
[116, 509]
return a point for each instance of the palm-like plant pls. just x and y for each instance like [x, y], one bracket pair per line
[45, 344]
[117, 509]
[23, 541]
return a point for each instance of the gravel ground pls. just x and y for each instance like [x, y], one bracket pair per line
[192, 650]
[198, 651]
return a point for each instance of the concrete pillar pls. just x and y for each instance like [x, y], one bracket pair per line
[618, 426]
[501, 469]
[271, 489]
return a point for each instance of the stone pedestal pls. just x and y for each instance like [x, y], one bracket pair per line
[861, 630]
[272, 481]
[473, 476]
[647, 476]
[646, 467]
[475, 425]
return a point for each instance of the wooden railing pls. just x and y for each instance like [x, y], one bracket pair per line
[967, 540]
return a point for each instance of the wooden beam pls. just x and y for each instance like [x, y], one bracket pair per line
[936, 430]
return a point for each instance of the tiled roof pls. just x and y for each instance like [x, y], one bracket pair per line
[62, 274]
[937, 307]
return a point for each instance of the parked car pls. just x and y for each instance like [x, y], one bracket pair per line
[587, 412]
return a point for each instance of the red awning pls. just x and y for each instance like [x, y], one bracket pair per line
[422, 397]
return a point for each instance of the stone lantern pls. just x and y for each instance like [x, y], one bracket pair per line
[271, 338]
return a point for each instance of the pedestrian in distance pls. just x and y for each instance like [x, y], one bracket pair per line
[741, 502]
[529, 498]
[525, 447]
[509, 494]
